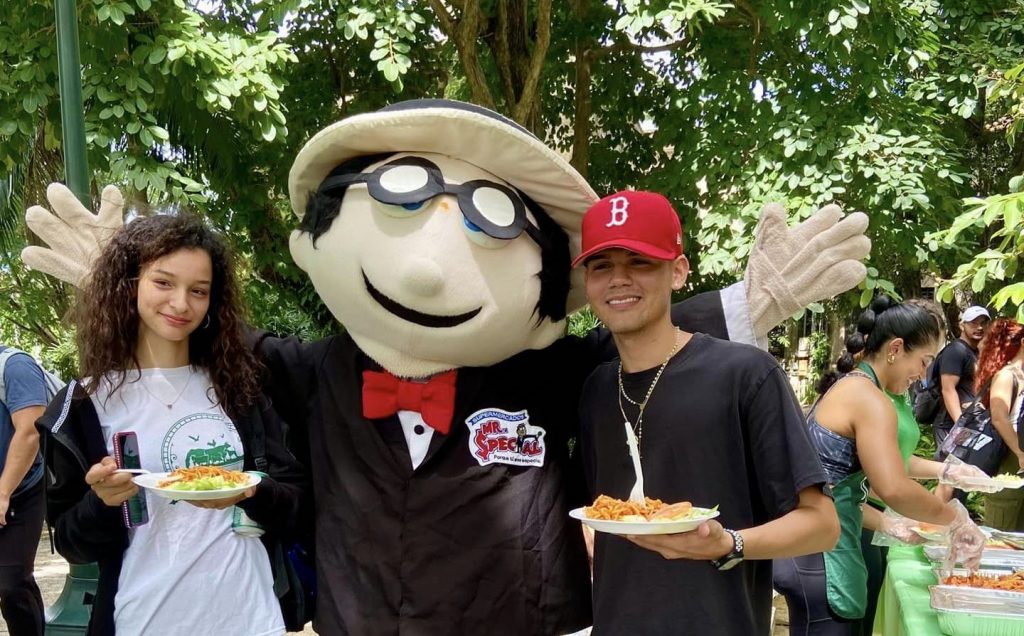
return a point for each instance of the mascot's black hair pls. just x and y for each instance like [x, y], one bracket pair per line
[324, 205]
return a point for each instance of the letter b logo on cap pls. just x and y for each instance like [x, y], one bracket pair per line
[620, 207]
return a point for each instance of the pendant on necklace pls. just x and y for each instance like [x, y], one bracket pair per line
[169, 406]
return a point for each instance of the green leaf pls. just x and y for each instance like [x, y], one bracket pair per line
[849, 22]
[157, 55]
[865, 297]
[144, 4]
[978, 282]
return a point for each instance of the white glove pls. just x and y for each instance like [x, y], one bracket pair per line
[789, 268]
[966, 541]
[966, 476]
[75, 235]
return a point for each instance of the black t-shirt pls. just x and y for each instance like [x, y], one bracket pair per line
[721, 428]
[959, 359]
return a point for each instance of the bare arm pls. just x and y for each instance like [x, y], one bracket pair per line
[1000, 402]
[810, 527]
[20, 454]
[950, 398]
[872, 517]
[921, 468]
[875, 433]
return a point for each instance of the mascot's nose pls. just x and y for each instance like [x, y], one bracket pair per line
[422, 277]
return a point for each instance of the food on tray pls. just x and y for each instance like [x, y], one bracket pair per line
[1008, 478]
[611, 509]
[1010, 582]
[998, 544]
[204, 478]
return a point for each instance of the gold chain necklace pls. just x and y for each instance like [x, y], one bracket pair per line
[638, 428]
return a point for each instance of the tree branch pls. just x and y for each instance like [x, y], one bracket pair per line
[540, 51]
[465, 41]
[444, 19]
[582, 101]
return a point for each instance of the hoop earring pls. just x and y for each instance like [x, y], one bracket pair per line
[206, 324]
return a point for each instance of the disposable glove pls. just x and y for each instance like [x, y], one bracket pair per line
[896, 529]
[789, 268]
[74, 235]
[966, 477]
[966, 541]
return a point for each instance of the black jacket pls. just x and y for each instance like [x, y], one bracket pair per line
[85, 530]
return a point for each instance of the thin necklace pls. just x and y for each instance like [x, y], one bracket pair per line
[176, 398]
[638, 428]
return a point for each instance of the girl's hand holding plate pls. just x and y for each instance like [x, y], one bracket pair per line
[220, 504]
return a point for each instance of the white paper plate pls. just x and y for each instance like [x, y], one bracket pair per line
[644, 527]
[150, 481]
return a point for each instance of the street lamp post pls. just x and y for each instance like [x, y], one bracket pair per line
[70, 614]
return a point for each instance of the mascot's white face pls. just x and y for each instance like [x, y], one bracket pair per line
[420, 287]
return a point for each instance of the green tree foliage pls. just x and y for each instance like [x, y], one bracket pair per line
[995, 221]
[883, 106]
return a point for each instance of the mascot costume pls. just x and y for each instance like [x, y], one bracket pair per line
[438, 426]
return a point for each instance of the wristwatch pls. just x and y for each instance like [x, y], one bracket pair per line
[735, 556]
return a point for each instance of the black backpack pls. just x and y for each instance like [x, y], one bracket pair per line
[926, 393]
[292, 559]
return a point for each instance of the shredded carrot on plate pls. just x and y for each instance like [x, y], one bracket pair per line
[196, 473]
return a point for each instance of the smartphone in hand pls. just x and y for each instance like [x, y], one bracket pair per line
[126, 455]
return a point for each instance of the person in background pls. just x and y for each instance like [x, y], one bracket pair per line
[716, 423]
[854, 427]
[1001, 361]
[954, 368]
[22, 502]
[162, 352]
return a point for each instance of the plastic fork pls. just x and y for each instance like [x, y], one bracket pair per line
[637, 493]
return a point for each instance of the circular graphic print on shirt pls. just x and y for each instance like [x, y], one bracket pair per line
[202, 439]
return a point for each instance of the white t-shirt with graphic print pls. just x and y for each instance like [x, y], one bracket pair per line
[185, 572]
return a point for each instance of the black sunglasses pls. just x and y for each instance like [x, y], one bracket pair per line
[492, 208]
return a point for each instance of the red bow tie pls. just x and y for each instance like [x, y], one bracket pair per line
[384, 395]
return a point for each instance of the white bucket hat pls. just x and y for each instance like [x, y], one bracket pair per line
[462, 131]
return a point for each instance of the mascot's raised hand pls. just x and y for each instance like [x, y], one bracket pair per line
[791, 267]
[75, 235]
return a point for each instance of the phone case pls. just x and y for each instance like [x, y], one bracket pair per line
[126, 455]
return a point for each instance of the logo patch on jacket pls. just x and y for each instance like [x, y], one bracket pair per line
[501, 437]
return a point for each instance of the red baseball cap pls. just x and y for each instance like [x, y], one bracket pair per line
[641, 222]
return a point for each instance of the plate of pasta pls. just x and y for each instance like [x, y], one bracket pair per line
[198, 483]
[654, 516]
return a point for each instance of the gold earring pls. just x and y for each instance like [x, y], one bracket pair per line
[891, 357]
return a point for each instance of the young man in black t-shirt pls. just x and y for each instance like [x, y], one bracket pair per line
[954, 369]
[716, 424]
